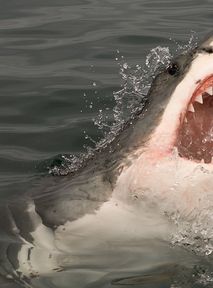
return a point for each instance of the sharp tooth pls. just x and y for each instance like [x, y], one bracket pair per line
[209, 91]
[185, 120]
[191, 108]
[199, 99]
[202, 161]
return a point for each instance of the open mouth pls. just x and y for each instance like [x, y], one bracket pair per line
[195, 135]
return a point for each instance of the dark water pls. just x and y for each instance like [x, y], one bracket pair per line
[53, 53]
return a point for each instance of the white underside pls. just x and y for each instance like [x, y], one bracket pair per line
[137, 212]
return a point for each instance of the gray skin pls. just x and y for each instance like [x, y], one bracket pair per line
[58, 199]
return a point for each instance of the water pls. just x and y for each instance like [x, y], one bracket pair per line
[60, 70]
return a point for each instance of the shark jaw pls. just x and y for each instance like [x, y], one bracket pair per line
[187, 122]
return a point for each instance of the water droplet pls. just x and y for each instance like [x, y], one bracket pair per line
[125, 65]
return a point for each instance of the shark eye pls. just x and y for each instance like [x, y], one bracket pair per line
[173, 69]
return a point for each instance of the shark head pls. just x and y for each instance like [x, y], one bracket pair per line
[174, 165]
[184, 112]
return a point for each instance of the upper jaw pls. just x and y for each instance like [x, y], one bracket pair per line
[204, 87]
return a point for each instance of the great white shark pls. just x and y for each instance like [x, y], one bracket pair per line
[161, 162]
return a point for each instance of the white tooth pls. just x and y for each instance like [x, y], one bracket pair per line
[202, 161]
[209, 91]
[191, 108]
[185, 120]
[199, 99]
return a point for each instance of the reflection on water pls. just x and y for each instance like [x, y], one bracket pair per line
[51, 54]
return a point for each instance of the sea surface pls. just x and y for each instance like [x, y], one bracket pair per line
[60, 68]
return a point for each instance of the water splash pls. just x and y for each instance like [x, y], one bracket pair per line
[194, 228]
[159, 56]
[184, 47]
[63, 164]
[195, 234]
[131, 98]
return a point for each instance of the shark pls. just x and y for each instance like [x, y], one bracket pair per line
[160, 162]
